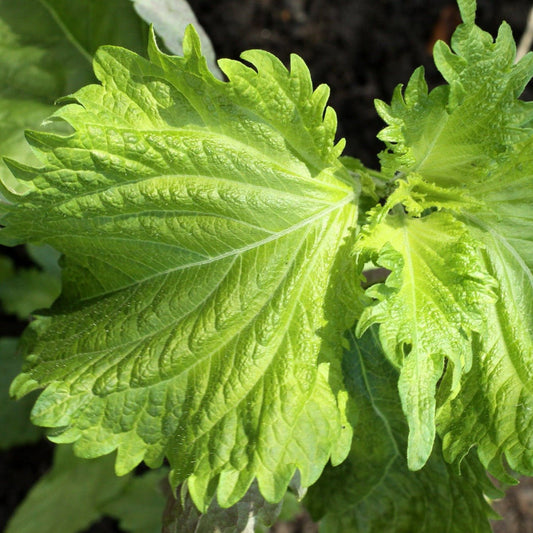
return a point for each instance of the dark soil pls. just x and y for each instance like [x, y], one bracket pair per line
[362, 49]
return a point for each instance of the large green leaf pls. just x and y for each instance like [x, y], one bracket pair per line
[206, 228]
[373, 491]
[473, 165]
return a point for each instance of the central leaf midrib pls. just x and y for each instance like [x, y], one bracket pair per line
[231, 253]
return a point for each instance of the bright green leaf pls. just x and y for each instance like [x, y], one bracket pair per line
[494, 410]
[374, 491]
[472, 163]
[427, 309]
[447, 136]
[206, 228]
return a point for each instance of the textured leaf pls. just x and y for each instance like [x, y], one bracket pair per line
[250, 513]
[472, 164]
[447, 136]
[69, 497]
[495, 406]
[14, 416]
[373, 490]
[427, 309]
[170, 18]
[206, 228]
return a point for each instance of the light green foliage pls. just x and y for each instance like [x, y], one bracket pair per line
[14, 416]
[373, 491]
[469, 166]
[428, 307]
[204, 227]
[251, 513]
[77, 492]
[212, 253]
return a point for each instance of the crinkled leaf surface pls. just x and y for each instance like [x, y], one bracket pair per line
[69, 497]
[447, 136]
[247, 515]
[448, 153]
[373, 490]
[14, 416]
[204, 227]
[428, 307]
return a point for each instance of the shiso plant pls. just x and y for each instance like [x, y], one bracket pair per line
[214, 312]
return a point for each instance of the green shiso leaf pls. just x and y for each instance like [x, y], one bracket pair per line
[427, 308]
[373, 490]
[464, 152]
[206, 228]
[452, 135]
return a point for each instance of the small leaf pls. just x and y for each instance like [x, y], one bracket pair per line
[427, 309]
